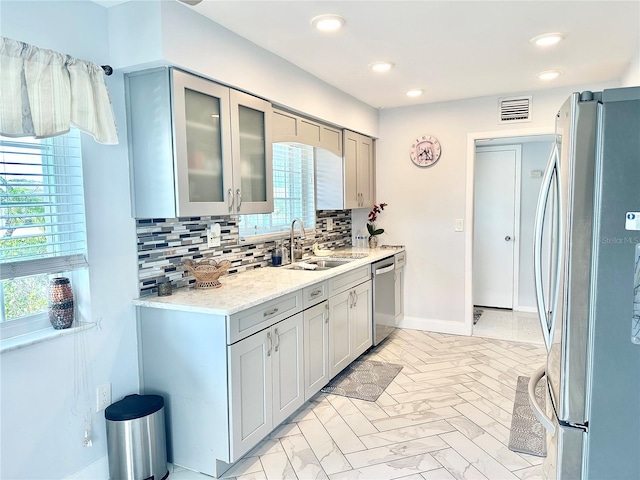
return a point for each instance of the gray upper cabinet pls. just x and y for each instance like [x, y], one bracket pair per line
[358, 170]
[289, 127]
[197, 148]
[348, 181]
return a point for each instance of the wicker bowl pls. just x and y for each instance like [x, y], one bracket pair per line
[207, 272]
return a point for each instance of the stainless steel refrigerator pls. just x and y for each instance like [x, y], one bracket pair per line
[587, 269]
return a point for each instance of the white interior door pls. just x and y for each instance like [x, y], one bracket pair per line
[494, 231]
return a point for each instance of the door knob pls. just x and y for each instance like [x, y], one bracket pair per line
[507, 238]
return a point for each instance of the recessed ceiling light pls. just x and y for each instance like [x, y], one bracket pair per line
[328, 23]
[547, 39]
[414, 93]
[383, 66]
[549, 74]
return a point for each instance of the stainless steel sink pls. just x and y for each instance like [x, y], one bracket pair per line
[321, 264]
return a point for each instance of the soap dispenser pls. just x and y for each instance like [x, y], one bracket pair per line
[276, 256]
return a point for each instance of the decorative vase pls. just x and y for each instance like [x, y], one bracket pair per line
[60, 303]
[373, 241]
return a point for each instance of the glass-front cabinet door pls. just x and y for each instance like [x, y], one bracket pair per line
[252, 155]
[202, 146]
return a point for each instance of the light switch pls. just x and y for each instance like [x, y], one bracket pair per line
[459, 225]
[329, 224]
[213, 235]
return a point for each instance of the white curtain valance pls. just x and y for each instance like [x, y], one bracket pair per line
[43, 93]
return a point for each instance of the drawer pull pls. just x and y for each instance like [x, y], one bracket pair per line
[270, 312]
[315, 293]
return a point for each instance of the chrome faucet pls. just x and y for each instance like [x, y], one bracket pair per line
[292, 257]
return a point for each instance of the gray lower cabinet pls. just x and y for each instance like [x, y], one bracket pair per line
[340, 352]
[266, 382]
[361, 316]
[350, 318]
[400, 261]
[316, 348]
[227, 381]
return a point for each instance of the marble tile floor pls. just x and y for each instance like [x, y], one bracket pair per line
[509, 325]
[445, 416]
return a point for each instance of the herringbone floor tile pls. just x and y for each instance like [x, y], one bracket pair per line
[446, 415]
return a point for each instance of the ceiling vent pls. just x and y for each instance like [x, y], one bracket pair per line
[514, 109]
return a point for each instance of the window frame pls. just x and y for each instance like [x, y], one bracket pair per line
[58, 261]
[285, 228]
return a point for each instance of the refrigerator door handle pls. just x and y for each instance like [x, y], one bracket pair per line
[537, 243]
[546, 422]
[555, 300]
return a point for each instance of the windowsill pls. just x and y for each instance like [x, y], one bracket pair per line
[22, 341]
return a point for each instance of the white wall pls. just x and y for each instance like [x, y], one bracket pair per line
[42, 413]
[195, 43]
[424, 202]
[534, 157]
[632, 76]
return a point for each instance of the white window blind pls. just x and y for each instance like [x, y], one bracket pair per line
[293, 192]
[42, 218]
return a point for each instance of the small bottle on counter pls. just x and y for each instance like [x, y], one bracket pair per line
[276, 256]
[361, 240]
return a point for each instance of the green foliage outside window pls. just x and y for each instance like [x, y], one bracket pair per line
[22, 296]
[25, 296]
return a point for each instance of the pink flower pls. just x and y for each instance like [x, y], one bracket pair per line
[373, 216]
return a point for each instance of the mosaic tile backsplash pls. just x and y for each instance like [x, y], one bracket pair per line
[163, 244]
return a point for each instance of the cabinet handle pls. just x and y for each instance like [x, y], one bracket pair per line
[239, 197]
[351, 299]
[315, 293]
[270, 312]
[355, 298]
[230, 199]
[277, 335]
[270, 344]
[326, 318]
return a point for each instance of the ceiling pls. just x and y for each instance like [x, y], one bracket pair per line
[449, 49]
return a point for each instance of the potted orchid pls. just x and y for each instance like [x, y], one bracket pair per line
[371, 225]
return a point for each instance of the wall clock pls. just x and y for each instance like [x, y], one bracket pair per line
[425, 151]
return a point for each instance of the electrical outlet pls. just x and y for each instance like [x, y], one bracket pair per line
[103, 397]
[329, 224]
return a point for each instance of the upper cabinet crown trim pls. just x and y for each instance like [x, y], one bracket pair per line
[289, 127]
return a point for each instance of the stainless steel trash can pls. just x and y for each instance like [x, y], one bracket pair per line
[136, 442]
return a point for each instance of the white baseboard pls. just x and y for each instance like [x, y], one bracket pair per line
[98, 470]
[526, 309]
[431, 325]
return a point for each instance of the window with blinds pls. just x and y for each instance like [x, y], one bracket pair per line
[293, 192]
[42, 218]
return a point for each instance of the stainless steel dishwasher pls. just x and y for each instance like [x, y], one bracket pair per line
[384, 308]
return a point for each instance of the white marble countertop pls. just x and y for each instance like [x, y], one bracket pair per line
[254, 287]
